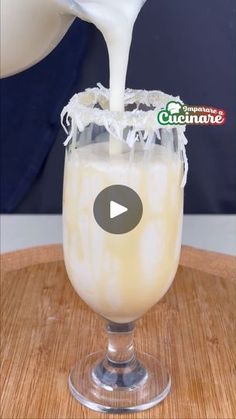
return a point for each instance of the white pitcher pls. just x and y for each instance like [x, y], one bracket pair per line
[31, 29]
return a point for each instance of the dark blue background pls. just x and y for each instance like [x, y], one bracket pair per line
[184, 48]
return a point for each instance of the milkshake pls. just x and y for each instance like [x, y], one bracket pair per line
[122, 276]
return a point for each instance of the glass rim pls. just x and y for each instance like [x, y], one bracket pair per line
[81, 112]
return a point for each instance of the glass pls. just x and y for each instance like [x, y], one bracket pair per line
[121, 276]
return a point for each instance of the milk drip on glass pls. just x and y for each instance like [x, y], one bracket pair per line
[122, 276]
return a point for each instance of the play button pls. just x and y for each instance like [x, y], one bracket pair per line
[118, 209]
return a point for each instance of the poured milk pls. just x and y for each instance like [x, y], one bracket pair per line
[122, 276]
[115, 19]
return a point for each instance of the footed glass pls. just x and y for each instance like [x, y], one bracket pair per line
[121, 276]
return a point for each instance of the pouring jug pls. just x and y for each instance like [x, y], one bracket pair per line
[31, 29]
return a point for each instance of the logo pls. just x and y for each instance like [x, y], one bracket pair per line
[176, 113]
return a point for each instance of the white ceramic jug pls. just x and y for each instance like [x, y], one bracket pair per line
[30, 29]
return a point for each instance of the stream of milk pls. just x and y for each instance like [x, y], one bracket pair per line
[115, 19]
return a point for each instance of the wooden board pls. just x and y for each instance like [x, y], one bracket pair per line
[46, 328]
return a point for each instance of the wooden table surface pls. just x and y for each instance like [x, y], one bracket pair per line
[46, 328]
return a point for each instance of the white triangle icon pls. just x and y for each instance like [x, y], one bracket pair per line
[116, 209]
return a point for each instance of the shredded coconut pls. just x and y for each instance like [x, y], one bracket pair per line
[92, 107]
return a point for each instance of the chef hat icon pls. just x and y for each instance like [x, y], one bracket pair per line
[173, 107]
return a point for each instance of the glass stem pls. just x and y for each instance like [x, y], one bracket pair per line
[120, 347]
[120, 368]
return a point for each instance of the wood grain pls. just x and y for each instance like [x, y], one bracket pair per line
[211, 262]
[46, 328]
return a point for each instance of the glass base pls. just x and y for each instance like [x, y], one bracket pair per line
[99, 385]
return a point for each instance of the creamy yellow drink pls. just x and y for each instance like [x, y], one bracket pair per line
[121, 276]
